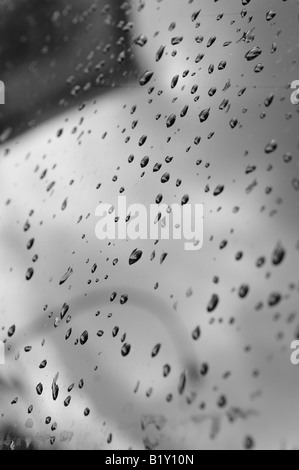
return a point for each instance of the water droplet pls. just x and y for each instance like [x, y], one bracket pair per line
[278, 255]
[67, 401]
[295, 184]
[55, 387]
[270, 15]
[141, 40]
[204, 115]
[156, 350]
[66, 276]
[11, 331]
[165, 178]
[144, 162]
[271, 146]
[160, 53]
[64, 311]
[125, 350]
[115, 331]
[135, 256]
[84, 338]
[176, 40]
[123, 299]
[182, 383]
[146, 77]
[196, 333]
[171, 120]
[39, 389]
[274, 299]
[29, 274]
[253, 53]
[243, 291]
[64, 204]
[213, 303]
[219, 190]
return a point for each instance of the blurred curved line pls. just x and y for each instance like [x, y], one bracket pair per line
[154, 306]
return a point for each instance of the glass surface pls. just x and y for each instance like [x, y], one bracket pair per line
[142, 344]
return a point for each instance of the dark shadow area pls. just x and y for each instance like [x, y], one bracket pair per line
[55, 54]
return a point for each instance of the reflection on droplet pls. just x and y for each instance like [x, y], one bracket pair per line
[135, 256]
[125, 350]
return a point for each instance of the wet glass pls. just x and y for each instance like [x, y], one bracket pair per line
[139, 343]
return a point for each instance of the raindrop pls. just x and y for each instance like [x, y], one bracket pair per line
[165, 178]
[115, 331]
[66, 276]
[156, 350]
[174, 81]
[274, 299]
[11, 331]
[144, 162]
[171, 120]
[146, 77]
[196, 333]
[84, 338]
[123, 299]
[29, 274]
[270, 15]
[271, 146]
[135, 256]
[213, 303]
[166, 370]
[64, 204]
[219, 190]
[39, 389]
[177, 40]
[295, 184]
[249, 443]
[182, 383]
[141, 40]
[243, 291]
[160, 53]
[233, 123]
[253, 53]
[125, 350]
[204, 115]
[55, 388]
[278, 255]
[67, 401]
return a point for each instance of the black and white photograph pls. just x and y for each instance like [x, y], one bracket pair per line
[149, 227]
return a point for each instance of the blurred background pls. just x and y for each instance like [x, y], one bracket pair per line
[57, 53]
[161, 101]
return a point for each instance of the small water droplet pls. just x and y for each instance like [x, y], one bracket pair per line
[66, 276]
[84, 338]
[135, 256]
[145, 78]
[204, 115]
[278, 255]
[125, 350]
[253, 53]
[156, 350]
[213, 303]
[29, 274]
